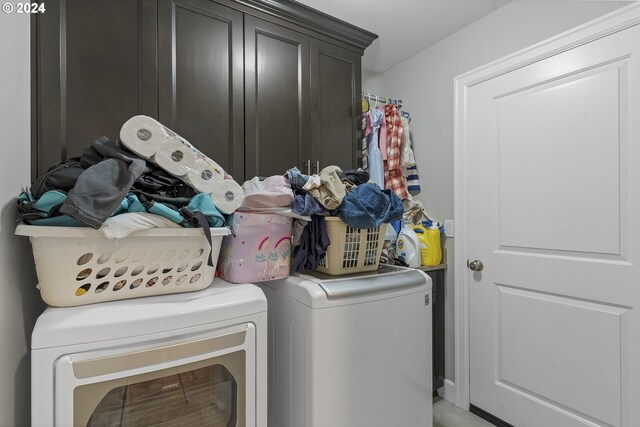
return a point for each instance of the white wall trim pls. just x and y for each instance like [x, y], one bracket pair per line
[461, 292]
[608, 24]
[447, 391]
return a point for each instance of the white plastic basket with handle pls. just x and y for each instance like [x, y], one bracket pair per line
[78, 265]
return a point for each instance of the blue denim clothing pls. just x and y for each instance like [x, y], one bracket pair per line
[306, 205]
[368, 206]
[313, 245]
[297, 179]
[376, 164]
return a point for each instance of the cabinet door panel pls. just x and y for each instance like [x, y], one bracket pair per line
[95, 68]
[335, 92]
[277, 98]
[201, 78]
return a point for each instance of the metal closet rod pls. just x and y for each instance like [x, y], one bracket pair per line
[378, 98]
[398, 102]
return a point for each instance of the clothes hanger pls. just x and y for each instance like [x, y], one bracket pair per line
[366, 104]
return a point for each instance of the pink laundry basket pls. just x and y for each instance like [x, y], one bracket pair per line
[260, 251]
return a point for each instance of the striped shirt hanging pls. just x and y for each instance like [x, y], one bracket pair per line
[412, 179]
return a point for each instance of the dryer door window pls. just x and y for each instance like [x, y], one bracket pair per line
[198, 397]
[210, 392]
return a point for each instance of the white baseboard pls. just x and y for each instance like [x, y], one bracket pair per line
[448, 391]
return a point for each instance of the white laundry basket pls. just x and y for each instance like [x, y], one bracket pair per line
[78, 265]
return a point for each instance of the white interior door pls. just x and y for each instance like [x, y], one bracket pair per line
[553, 208]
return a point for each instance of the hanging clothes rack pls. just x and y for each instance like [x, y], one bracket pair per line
[370, 97]
[384, 100]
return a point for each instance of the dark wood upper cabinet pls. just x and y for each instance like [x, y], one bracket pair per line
[200, 57]
[258, 86]
[335, 107]
[277, 98]
[96, 67]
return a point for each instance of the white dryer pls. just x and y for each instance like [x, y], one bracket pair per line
[196, 359]
[350, 351]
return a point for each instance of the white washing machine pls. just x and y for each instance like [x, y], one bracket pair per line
[196, 359]
[350, 351]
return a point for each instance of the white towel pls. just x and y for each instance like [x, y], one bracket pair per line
[407, 158]
[122, 225]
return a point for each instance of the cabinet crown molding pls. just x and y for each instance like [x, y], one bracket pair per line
[314, 20]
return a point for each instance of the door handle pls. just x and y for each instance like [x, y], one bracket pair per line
[309, 167]
[318, 167]
[475, 265]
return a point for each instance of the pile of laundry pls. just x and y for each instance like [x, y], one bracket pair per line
[346, 194]
[145, 181]
[154, 178]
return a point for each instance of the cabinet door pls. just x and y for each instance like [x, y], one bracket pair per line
[277, 98]
[335, 106]
[95, 67]
[201, 78]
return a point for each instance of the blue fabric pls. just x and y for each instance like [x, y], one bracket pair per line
[413, 181]
[306, 205]
[165, 212]
[37, 212]
[134, 204]
[297, 179]
[397, 225]
[203, 203]
[49, 200]
[376, 164]
[313, 245]
[368, 206]
[429, 223]
[41, 211]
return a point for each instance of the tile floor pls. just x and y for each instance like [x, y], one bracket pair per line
[446, 414]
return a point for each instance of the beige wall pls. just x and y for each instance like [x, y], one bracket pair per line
[425, 83]
[19, 300]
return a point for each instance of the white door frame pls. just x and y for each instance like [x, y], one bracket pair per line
[613, 22]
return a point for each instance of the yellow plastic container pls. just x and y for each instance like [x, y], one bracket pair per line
[430, 248]
[421, 232]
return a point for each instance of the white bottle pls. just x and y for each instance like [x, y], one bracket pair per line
[408, 246]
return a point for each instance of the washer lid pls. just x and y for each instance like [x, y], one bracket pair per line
[62, 326]
[318, 290]
[351, 287]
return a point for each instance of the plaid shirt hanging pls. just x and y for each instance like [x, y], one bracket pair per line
[393, 177]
